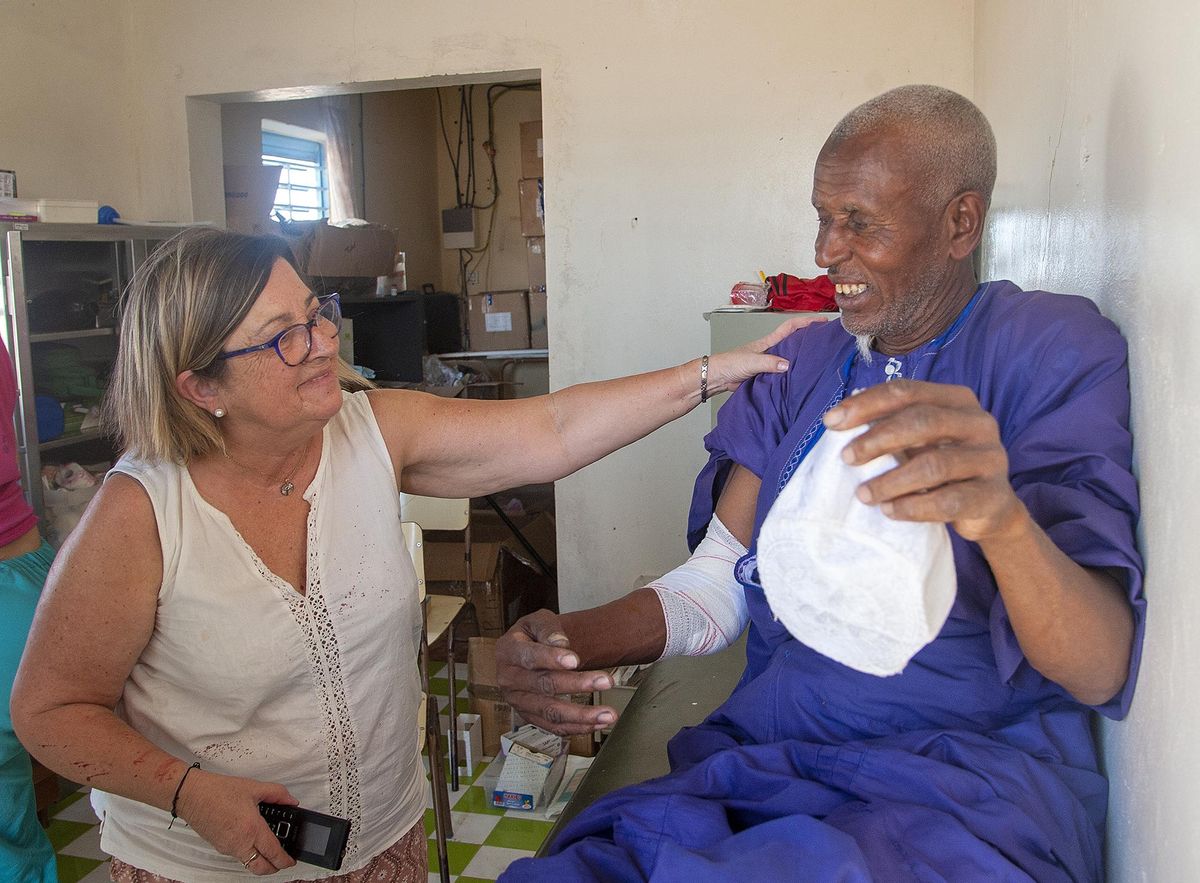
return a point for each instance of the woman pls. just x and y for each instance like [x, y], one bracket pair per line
[25, 851]
[234, 619]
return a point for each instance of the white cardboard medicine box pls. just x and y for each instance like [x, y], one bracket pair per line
[533, 769]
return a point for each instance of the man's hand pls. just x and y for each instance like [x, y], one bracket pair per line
[535, 667]
[953, 467]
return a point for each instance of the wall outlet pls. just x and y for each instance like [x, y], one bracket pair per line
[473, 277]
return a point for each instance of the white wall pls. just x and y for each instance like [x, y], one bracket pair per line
[1095, 110]
[66, 123]
[656, 204]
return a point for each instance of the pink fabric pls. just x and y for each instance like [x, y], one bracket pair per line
[16, 515]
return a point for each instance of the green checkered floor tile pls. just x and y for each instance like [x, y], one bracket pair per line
[75, 833]
[486, 839]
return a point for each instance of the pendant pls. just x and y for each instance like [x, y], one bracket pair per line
[287, 487]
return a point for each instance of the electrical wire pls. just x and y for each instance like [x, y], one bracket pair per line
[465, 177]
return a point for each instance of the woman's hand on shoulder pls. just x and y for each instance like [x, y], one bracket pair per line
[726, 371]
[224, 811]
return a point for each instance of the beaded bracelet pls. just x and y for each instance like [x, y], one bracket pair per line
[704, 380]
[178, 788]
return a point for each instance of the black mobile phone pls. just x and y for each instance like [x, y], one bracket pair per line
[307, 835]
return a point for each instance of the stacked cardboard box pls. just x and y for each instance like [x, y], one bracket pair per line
[483, 691]
[503, 587]
[531, 189]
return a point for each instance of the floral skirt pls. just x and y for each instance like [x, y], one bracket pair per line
[405, 861]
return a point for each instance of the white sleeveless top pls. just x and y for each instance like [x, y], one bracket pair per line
[318, 692]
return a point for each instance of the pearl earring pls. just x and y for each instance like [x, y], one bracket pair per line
[220, 412]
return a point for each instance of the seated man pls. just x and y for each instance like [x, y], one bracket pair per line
[1008, 413]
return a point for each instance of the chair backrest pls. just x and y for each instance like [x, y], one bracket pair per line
[435, 513]
[413, 538]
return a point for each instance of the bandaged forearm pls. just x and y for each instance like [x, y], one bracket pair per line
[703, 604]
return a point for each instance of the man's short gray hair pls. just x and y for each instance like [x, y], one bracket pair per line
[952, 139]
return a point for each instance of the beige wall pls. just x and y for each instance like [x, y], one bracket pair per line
[656, 205]
[1094, 108]
[67, 124]
[504, 265]
[400, 145]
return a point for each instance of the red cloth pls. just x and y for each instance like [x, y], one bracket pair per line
[792, 294]
[16, 518]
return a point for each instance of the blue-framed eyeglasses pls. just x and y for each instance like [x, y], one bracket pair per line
[294, 343]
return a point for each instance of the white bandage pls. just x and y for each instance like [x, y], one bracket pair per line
[703, 604]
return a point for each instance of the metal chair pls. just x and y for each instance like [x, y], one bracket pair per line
[427, 716]
[442, 611]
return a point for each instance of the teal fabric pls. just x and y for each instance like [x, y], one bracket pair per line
[26, 855]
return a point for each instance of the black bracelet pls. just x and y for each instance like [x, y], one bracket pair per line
[178, 788]
[704, 380]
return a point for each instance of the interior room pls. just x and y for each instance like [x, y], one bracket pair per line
[513, 199]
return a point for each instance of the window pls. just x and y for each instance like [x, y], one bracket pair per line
[303, 193]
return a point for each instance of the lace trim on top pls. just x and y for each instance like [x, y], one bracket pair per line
[325, 661]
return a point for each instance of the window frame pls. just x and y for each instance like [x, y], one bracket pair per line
[300, 151]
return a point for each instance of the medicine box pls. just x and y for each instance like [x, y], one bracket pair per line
[533, 768]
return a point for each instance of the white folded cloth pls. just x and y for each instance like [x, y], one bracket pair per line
[843, 578]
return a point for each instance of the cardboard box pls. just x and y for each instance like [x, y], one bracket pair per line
[361, 251]
[582, 744]
[495, 715]
[503, 588]
[539, 333]
[535, 247]
[249, 197]
[533, 207]
[626, 679]
[538, 529]
[531, 149]
[68, 211]
[498, 320]
[533, 768]
[470, 742]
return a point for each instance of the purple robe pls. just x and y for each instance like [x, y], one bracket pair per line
[969, 765]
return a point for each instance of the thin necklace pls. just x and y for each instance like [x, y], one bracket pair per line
[286, 487]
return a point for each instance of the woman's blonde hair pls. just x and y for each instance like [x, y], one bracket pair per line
[177, 313]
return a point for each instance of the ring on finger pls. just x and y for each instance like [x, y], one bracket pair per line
[246, 864]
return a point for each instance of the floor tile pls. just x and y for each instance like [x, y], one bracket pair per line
[86, 845]
[61, 832]
[526, 834]
[69, 799]
[475, 799]
[77, 809]
[459, 855]
[473, 827]
[490, 861]
[72, 869]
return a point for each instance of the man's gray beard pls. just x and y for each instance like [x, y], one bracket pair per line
[864, 341]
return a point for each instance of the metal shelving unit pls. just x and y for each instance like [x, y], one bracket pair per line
[51, 280]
